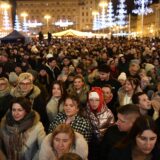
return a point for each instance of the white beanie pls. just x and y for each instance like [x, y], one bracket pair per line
[122, 76]
[149, 67]
[93, 95]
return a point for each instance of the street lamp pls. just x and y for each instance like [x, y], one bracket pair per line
[24, 15]
[47, 17]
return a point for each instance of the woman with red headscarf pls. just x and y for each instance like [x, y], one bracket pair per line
[100, 117]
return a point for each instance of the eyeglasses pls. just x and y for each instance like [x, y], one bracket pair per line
[25, 84]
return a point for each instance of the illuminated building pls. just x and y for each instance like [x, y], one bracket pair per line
[77, 11]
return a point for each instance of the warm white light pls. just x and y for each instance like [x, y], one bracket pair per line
[24, 14]
[103, 4]
[63, 23]
[47, 17]
[5, 6]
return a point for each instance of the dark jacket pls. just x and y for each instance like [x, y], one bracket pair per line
[126, 154]
[111, 137]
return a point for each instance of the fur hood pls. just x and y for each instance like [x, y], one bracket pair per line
[15, 92]
[47, 153]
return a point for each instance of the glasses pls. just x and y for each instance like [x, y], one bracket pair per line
[25, 84]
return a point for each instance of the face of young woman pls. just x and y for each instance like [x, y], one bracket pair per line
[146, 141]
[94, 103]
[70, 107]
[78, 83]
[56, 91]
[62, 143]
[128, 86]
[18, 112]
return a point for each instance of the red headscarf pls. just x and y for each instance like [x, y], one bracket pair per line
[99, 91]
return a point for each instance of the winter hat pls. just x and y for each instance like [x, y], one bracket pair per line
[149, 67]
[24, 76]
[34, 49]
[104, 68]
[122, 76]
[93, 95]
[49, 55]
[13, 78]
[98, 93]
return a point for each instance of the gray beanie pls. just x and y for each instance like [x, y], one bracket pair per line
[13, 78]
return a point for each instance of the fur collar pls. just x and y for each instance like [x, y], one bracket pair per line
[15, 92]
[81, 146]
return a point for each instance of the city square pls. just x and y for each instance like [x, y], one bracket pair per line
[79, 80]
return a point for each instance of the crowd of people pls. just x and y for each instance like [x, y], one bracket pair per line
[87, 98]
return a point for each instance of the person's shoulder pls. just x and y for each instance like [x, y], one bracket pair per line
[120, 153]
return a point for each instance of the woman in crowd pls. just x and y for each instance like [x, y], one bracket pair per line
[97, 112]
[5, 96]
[21, 132]
[142, 142]
[125, 93]
[26, 88]
[100, 117]
[71, 115]
[79, 88]
[55, 104]
[62, 140]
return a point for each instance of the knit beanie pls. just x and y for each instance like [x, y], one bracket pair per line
[13, 77]
[149, 67]
[122, 76]
[24, 76]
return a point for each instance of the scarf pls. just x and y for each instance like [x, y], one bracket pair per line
[15, 131]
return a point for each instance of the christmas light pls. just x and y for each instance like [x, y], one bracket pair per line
[142, 7]
[17, 25]
[110, 15]
[122, 12]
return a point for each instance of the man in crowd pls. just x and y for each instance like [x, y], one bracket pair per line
[127, 115]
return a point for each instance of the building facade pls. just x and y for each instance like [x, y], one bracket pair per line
[79, 12]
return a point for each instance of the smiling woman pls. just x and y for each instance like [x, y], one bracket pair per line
[71, 115]
[22, 128]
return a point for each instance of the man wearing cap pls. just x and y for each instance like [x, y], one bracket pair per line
[105, 78]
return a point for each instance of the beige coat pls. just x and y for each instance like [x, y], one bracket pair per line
[47, 153]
